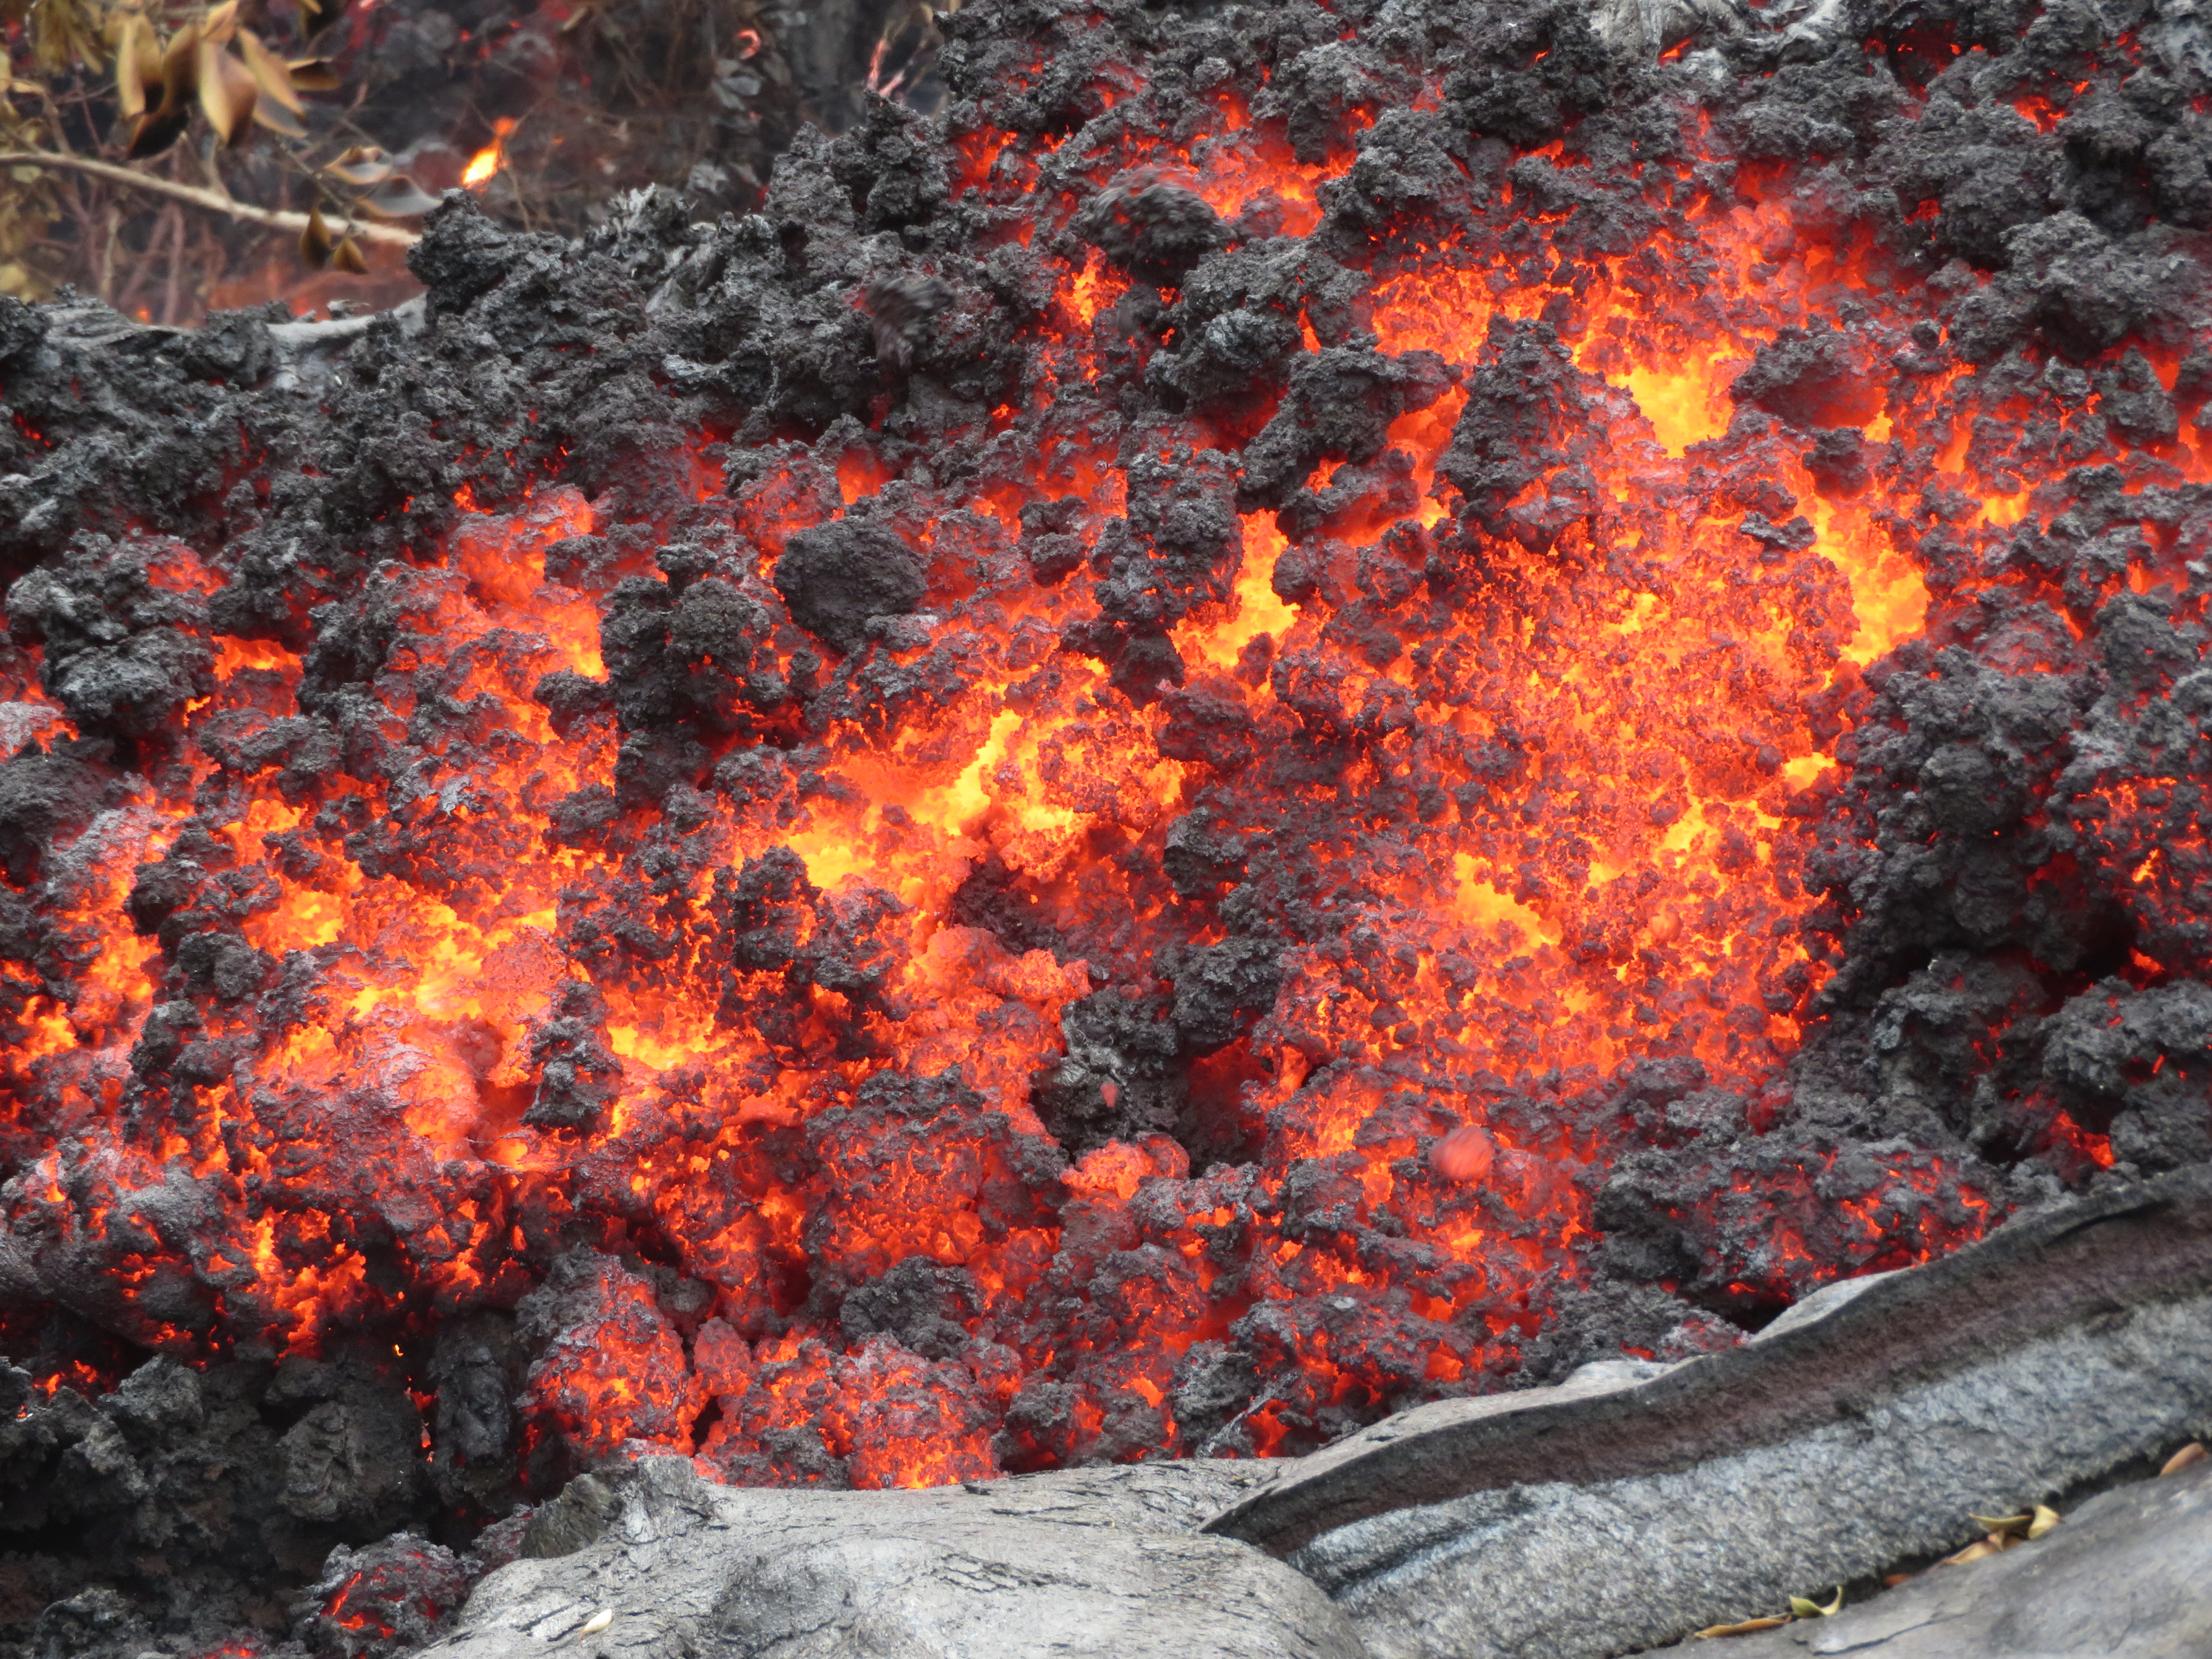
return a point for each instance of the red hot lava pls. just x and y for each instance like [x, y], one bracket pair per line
[1138, 916]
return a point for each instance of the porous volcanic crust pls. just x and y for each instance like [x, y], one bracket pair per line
[877, 842]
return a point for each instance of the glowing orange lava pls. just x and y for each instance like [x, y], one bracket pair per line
[1532, 767]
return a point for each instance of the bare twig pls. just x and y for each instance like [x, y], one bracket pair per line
[173, 221]
[211, 201]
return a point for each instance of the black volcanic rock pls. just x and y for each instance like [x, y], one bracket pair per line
[836, 577]
[122, 655]
[1153, 227]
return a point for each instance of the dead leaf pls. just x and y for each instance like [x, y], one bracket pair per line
[178, 60]
[269, 73]
[312, 75]
[1805, 1608]
[2001, 1523]
[226, 93]
[363, 166]
[315, 239]
[2045, 1519]
[1980, 1550]
[346, 257]
[2191, 1453]
[1892, 1580]
[61, 36]
[1745, 1627]
[398, 197]
[221, 23]
[137, 66]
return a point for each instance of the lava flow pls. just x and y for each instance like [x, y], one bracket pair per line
[1205, 754]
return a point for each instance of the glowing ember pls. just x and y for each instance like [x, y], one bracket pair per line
[488, 160]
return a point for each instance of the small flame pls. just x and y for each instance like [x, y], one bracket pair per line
[488, 160]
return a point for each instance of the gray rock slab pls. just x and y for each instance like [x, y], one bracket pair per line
[1104, 1562]
[1555, 1569]
[2127, 1576]
[1638, 1504]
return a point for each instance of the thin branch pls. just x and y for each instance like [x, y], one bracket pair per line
[173, 217]
[212, 201]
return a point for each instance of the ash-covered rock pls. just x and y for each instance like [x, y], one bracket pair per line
[1103, 1560]
[120, 654]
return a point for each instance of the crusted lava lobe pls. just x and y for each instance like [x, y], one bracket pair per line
[871, 842]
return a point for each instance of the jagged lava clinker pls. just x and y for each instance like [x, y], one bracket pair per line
[884, 846]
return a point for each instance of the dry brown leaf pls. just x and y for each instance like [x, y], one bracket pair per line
[346, 257]
[398, 197]
[312, 75]
[2191, 1453]
[137, 65]
[1892, 1580]
[315, 239]
[61, 36]
[1997, 1525]
[221, 23]
[1744, 1627]
[178, 59]
[2045, 1519]
[269, 73]
[363, 166]
[1980, 1549]
[226, 93]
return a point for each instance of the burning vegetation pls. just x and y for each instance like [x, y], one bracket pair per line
[1314, 708]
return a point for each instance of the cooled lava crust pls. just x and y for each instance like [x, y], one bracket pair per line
[880, 843]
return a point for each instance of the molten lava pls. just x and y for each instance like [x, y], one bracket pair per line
[1122, 940]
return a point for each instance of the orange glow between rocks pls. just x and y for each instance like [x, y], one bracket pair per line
[1636, 714]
